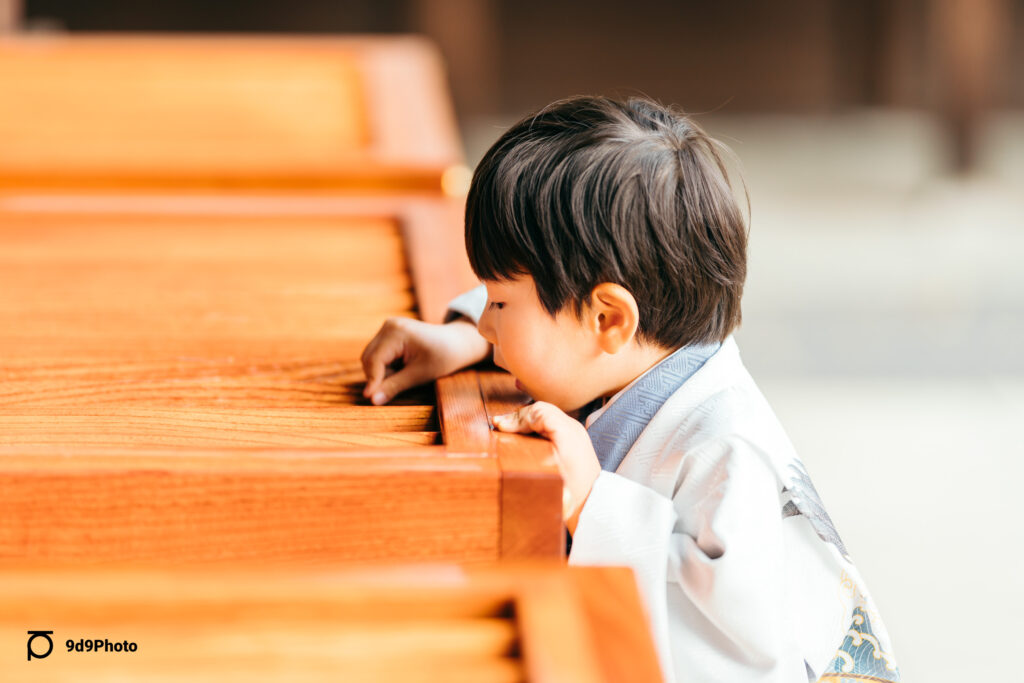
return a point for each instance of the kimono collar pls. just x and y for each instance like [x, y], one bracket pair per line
[614, 428]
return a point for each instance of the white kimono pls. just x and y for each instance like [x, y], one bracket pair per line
[742, 573]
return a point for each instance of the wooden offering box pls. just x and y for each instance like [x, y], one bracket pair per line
[425, 624]
[181, 382]
[124, 112]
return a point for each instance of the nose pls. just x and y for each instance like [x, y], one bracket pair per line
[485, 326]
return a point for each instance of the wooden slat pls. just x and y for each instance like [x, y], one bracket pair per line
[463, 417]
[134, 111]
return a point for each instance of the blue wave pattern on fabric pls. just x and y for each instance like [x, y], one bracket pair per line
[620, 425]
[860, 657]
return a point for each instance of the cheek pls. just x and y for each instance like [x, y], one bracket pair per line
[541, 354]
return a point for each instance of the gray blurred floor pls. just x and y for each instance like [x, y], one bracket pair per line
[884, 321]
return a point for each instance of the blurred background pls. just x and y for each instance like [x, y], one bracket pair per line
[882, 142]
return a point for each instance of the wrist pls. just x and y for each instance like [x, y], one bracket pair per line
[573, 518]
[473, 348]
[573, 503]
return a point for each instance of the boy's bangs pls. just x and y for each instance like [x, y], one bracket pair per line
[497, 241]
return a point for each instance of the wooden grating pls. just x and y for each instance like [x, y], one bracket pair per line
[199, 331]
[185, 386]
[437, 623]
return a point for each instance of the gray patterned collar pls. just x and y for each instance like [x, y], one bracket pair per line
[616, 429]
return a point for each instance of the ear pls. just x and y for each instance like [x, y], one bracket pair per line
[613, 316]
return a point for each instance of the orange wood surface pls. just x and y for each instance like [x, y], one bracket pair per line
[531, 485]
[182, 384]
[198, 331]
[199, 236]
[136, 111]
[516, 622]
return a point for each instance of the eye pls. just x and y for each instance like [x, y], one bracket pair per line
[498, 304]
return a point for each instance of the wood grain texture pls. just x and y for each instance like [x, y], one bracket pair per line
[463, 418]
[441, 623]
[198, 330]
[166, 375]
[181, 506]
[230, 323]
[368, 113]
[531, 485]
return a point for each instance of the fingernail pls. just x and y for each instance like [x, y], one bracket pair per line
[379, 398]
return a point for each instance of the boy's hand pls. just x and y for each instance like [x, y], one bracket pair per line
[424, 352]
[574, 451]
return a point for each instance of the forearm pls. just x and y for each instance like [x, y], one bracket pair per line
[472, 348]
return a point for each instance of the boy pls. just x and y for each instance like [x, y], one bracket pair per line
[613, 255]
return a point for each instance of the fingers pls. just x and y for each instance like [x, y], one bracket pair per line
[376, 365]
[540, 417]
[392, 385]
[384, 349]
[573, 450]
[426, 352]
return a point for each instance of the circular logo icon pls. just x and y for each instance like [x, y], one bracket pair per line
[32, 635]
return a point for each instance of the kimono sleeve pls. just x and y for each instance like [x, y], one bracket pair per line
[708, 562]
[470, 304]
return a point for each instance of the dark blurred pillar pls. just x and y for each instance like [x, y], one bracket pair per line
[970, 36]
[467, 33]
[10, 15]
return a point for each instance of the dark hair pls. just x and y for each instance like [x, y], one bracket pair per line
[590, 190]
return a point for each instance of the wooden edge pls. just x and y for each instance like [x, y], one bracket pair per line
[462, 415]
[400, 74]
[531, 485]
[531, 498]
[619, 624]
[436, 253]
[404, 74]
[555, 635]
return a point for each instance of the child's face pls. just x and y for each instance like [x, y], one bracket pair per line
[549, 357]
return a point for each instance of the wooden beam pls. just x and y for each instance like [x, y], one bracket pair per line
[970, 39]
[10, 15]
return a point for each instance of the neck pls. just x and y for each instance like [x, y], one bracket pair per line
[636, 361]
